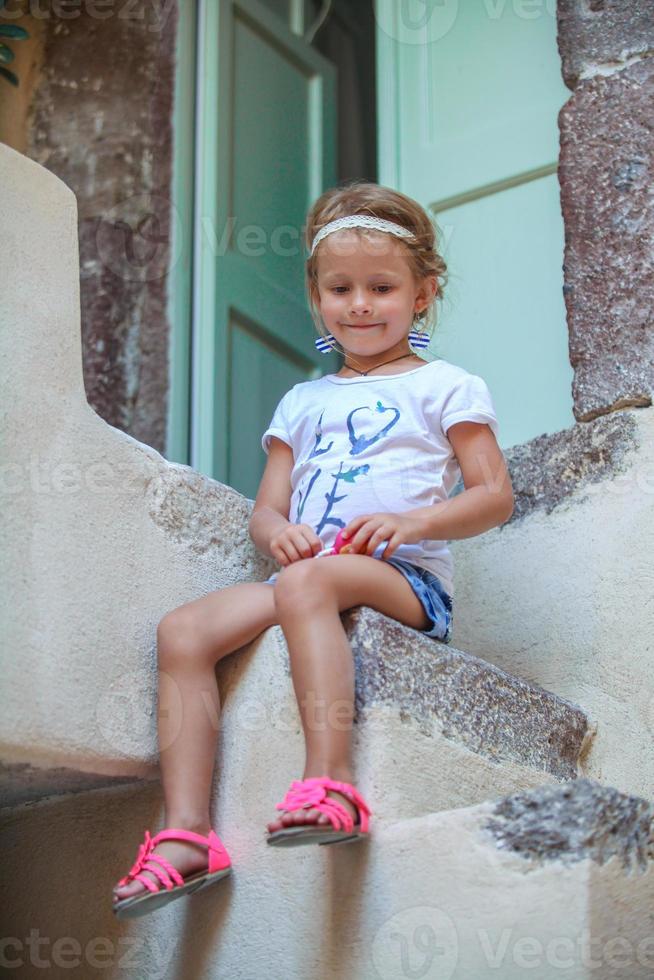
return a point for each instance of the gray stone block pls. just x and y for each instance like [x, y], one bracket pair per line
[605, 166]
[475, 704]
[570, 823]
[602, 32]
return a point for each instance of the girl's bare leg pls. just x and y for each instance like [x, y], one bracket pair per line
[309, 596]
[190, 641]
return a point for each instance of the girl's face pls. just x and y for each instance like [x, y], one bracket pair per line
[367, 294]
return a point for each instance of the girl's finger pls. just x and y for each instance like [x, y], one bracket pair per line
[358, 540]
[375, 538]
[313, 546]
[357, 522]
[302, 547]
[391, 547]
[290, 552]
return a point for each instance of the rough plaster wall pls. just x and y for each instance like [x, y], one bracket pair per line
[563, 595]
[101, 535]
[102, 121]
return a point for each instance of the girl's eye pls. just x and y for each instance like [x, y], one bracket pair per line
[338, 288]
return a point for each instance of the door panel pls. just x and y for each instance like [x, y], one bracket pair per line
[470, 94]
[485, 96]
[504, 315]
[266, 151]
[268, 372]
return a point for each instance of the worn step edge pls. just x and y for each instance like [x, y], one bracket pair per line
[474, 703]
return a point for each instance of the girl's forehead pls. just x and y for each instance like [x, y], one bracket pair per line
[344, 251]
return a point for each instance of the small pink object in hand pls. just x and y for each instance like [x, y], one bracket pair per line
[340, 547]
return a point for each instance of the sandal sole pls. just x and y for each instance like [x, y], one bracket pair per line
[142, 904]
[297, 836]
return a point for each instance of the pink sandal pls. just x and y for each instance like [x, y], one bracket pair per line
[155, 896]
[311, 793]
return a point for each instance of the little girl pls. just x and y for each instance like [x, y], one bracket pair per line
[373, 452]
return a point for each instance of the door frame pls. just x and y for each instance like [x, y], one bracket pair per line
[191, 303]
[180, 303]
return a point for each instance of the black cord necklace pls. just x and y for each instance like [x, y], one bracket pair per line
[376, 365]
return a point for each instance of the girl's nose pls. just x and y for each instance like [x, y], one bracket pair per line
[360, 306]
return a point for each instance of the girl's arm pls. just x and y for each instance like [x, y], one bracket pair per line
[487, 500]
[273, 501]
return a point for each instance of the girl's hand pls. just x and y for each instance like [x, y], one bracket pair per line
[294, 542]
[365, 533]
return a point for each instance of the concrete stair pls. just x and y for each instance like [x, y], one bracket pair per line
[435, 728]
[548, 882]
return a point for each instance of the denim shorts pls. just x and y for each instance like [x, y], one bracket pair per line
[434, 599]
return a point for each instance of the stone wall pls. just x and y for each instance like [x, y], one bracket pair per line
[605, 171]
[95, 106]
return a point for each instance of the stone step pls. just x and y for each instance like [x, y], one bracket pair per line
[554, 881]
[435, 727]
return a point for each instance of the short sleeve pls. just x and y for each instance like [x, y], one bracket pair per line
[279, 425]
[469, 401]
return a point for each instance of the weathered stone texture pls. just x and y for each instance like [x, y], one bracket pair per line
[570, 823]
[102, 121]
[606, 172]
[470, 701]
[22, 783]
[206, 517]
[602, 34]
[548, 470]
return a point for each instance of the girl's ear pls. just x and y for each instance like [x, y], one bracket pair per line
[428, 290]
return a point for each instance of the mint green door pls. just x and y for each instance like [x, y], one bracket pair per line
[266, 149]
[468, 97]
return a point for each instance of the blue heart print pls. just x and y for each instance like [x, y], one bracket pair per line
[359, 443]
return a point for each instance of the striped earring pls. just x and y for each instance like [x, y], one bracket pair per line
[325, 344]
[416, 339]
[419, 340]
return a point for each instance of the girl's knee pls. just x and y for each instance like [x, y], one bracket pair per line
[299, 584]
[177, 637]
[174, 623]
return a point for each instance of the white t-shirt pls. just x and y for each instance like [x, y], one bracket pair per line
[362, 445]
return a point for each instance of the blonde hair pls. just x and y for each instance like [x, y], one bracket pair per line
[365, 197]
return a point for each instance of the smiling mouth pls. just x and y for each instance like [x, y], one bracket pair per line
[362, 326]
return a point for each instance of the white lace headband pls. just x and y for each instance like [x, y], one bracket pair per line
[362, 221]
